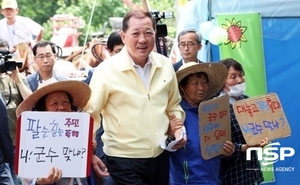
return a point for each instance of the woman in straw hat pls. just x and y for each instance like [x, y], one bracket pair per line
[63, 96]
[235, 169]
[197, 82]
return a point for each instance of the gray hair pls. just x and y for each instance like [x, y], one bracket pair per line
[198, 34]
[4, 43]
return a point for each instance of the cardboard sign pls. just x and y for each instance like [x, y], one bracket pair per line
[214, 126]
[261, 117]
[53, 139]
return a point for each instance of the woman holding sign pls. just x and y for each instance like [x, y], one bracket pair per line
[197, 83]
[63, 96]
[236, 169]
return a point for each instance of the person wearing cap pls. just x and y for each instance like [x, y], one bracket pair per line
[6, 147]
[197, 83]
[63, 96]
[189, 43]
[17, 29]
[235, 168]
[135, 92]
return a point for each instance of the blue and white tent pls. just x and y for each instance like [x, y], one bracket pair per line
[281, 40]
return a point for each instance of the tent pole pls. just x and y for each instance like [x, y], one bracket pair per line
[209, 52]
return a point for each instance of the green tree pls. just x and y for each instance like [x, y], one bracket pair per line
[103, 10]
[38, 10]
[41, 11]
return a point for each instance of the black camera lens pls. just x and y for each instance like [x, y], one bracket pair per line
[5, 64]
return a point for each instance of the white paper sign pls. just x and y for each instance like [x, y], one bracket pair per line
[53, 139]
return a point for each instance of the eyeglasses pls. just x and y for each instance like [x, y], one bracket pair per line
[189, 45]
[47, 56]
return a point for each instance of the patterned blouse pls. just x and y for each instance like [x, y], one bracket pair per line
[235, 169]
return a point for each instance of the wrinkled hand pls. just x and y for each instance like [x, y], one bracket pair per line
[54, 175]
[99, 167]
[183, 141]
[264, 142]
[228, 148]
[174, 124]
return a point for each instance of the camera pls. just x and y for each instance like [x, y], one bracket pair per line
[161, 29]
[5, 64]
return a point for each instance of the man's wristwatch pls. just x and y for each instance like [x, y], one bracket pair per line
[169, 140]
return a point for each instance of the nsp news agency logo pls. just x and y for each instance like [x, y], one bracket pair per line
[270, 156]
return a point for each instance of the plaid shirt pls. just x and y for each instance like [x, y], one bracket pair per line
[235, 169]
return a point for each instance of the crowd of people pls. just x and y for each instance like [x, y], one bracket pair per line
[137, 99]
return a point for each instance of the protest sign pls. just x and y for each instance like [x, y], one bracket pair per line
[261, 117]
[54, 139]
[214, 126]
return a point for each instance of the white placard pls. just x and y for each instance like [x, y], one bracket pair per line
[53, 139]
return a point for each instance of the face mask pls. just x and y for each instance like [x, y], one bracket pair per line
[236, 90]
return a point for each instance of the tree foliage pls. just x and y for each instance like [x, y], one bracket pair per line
[41, 11]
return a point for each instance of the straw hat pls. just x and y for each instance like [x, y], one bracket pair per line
[79, 91]
[216, 73]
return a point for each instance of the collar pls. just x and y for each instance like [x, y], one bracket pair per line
[185, 105]
[149, 61]
[128, 64]
[231, 99]
[40, 80]
[6, 20]
[183, 62]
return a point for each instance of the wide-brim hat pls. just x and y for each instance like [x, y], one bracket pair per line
[216, 73]
[79, 91]
[9, 4]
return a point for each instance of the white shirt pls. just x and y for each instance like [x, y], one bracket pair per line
[183, 62]
[143, 72]
[21, 31]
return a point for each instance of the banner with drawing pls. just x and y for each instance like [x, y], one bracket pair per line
[54, 139]
[261, 117]
[214, 126]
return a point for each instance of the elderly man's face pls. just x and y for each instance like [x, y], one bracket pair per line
[139, 39]
[195, 91]
[58, 101]
[189, 47]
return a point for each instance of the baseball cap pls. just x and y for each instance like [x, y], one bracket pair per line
[9, 4]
